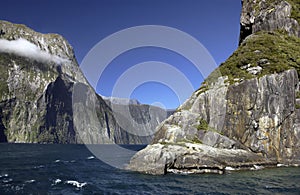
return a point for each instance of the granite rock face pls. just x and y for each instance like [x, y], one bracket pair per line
[263, 15]
[258, 127]
[240, 118]
[45, 98]
[158, 159]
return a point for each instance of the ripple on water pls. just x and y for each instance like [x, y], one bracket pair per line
[30, 181]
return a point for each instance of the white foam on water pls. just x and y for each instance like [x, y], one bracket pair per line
[38, 167]
[90, 157]
[57, 181]
[229, 169]
[4, 175]
[76, 183]
[256, 167]
[56, 161]
[7, 180]
[281, 165]
[30, 181]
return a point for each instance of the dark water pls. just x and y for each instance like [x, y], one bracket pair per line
[71, 169]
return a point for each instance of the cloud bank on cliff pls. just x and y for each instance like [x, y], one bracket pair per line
[24, 48]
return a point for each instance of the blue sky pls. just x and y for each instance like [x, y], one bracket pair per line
[214, 23]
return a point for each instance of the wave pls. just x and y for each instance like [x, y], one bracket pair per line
[4, 175]
[76, 183]
[30, 181]
[90, 157]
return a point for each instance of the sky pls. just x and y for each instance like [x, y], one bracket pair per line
[213, 23]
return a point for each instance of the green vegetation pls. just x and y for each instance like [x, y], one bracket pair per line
[298, 94]
[196, 140]
[204, 87]
[29, 71]
[297, 106]
[203, 125]
[295, 9]
[4, 75]
[275, 52]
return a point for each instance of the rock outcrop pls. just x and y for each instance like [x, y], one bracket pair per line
[264, 15]
[45, 98]
[245, 115]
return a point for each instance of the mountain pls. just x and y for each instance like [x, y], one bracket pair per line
[122, 101]
[45, 98]
[246, 114]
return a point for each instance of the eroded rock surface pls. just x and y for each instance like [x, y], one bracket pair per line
[265, 15]
[260, 126]
[246, 113]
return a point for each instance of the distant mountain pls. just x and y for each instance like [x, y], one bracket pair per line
[45, 98]
[123, 101]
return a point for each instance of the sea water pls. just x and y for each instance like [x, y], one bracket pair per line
[73, 169]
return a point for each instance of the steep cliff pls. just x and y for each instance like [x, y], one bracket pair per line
[269, 15]
[246, 113]
[45, 98]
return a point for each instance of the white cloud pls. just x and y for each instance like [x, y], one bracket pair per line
[24, 48]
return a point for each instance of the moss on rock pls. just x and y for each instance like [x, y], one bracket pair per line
[274, 52]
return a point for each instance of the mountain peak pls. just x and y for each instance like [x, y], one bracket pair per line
[51, 43]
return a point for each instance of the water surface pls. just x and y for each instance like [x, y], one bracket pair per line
[72, 169]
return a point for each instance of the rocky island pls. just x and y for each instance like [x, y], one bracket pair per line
[246, 114]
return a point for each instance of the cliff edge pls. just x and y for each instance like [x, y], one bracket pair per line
[246, 114]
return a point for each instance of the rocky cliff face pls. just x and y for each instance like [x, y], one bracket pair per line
[245, 115]
[269, 15]
[45, 98]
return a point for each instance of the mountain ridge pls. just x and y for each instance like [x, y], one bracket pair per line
[45, 97]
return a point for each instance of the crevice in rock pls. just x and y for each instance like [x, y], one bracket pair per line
[107, 124]
[3, 137]
[245, 31]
